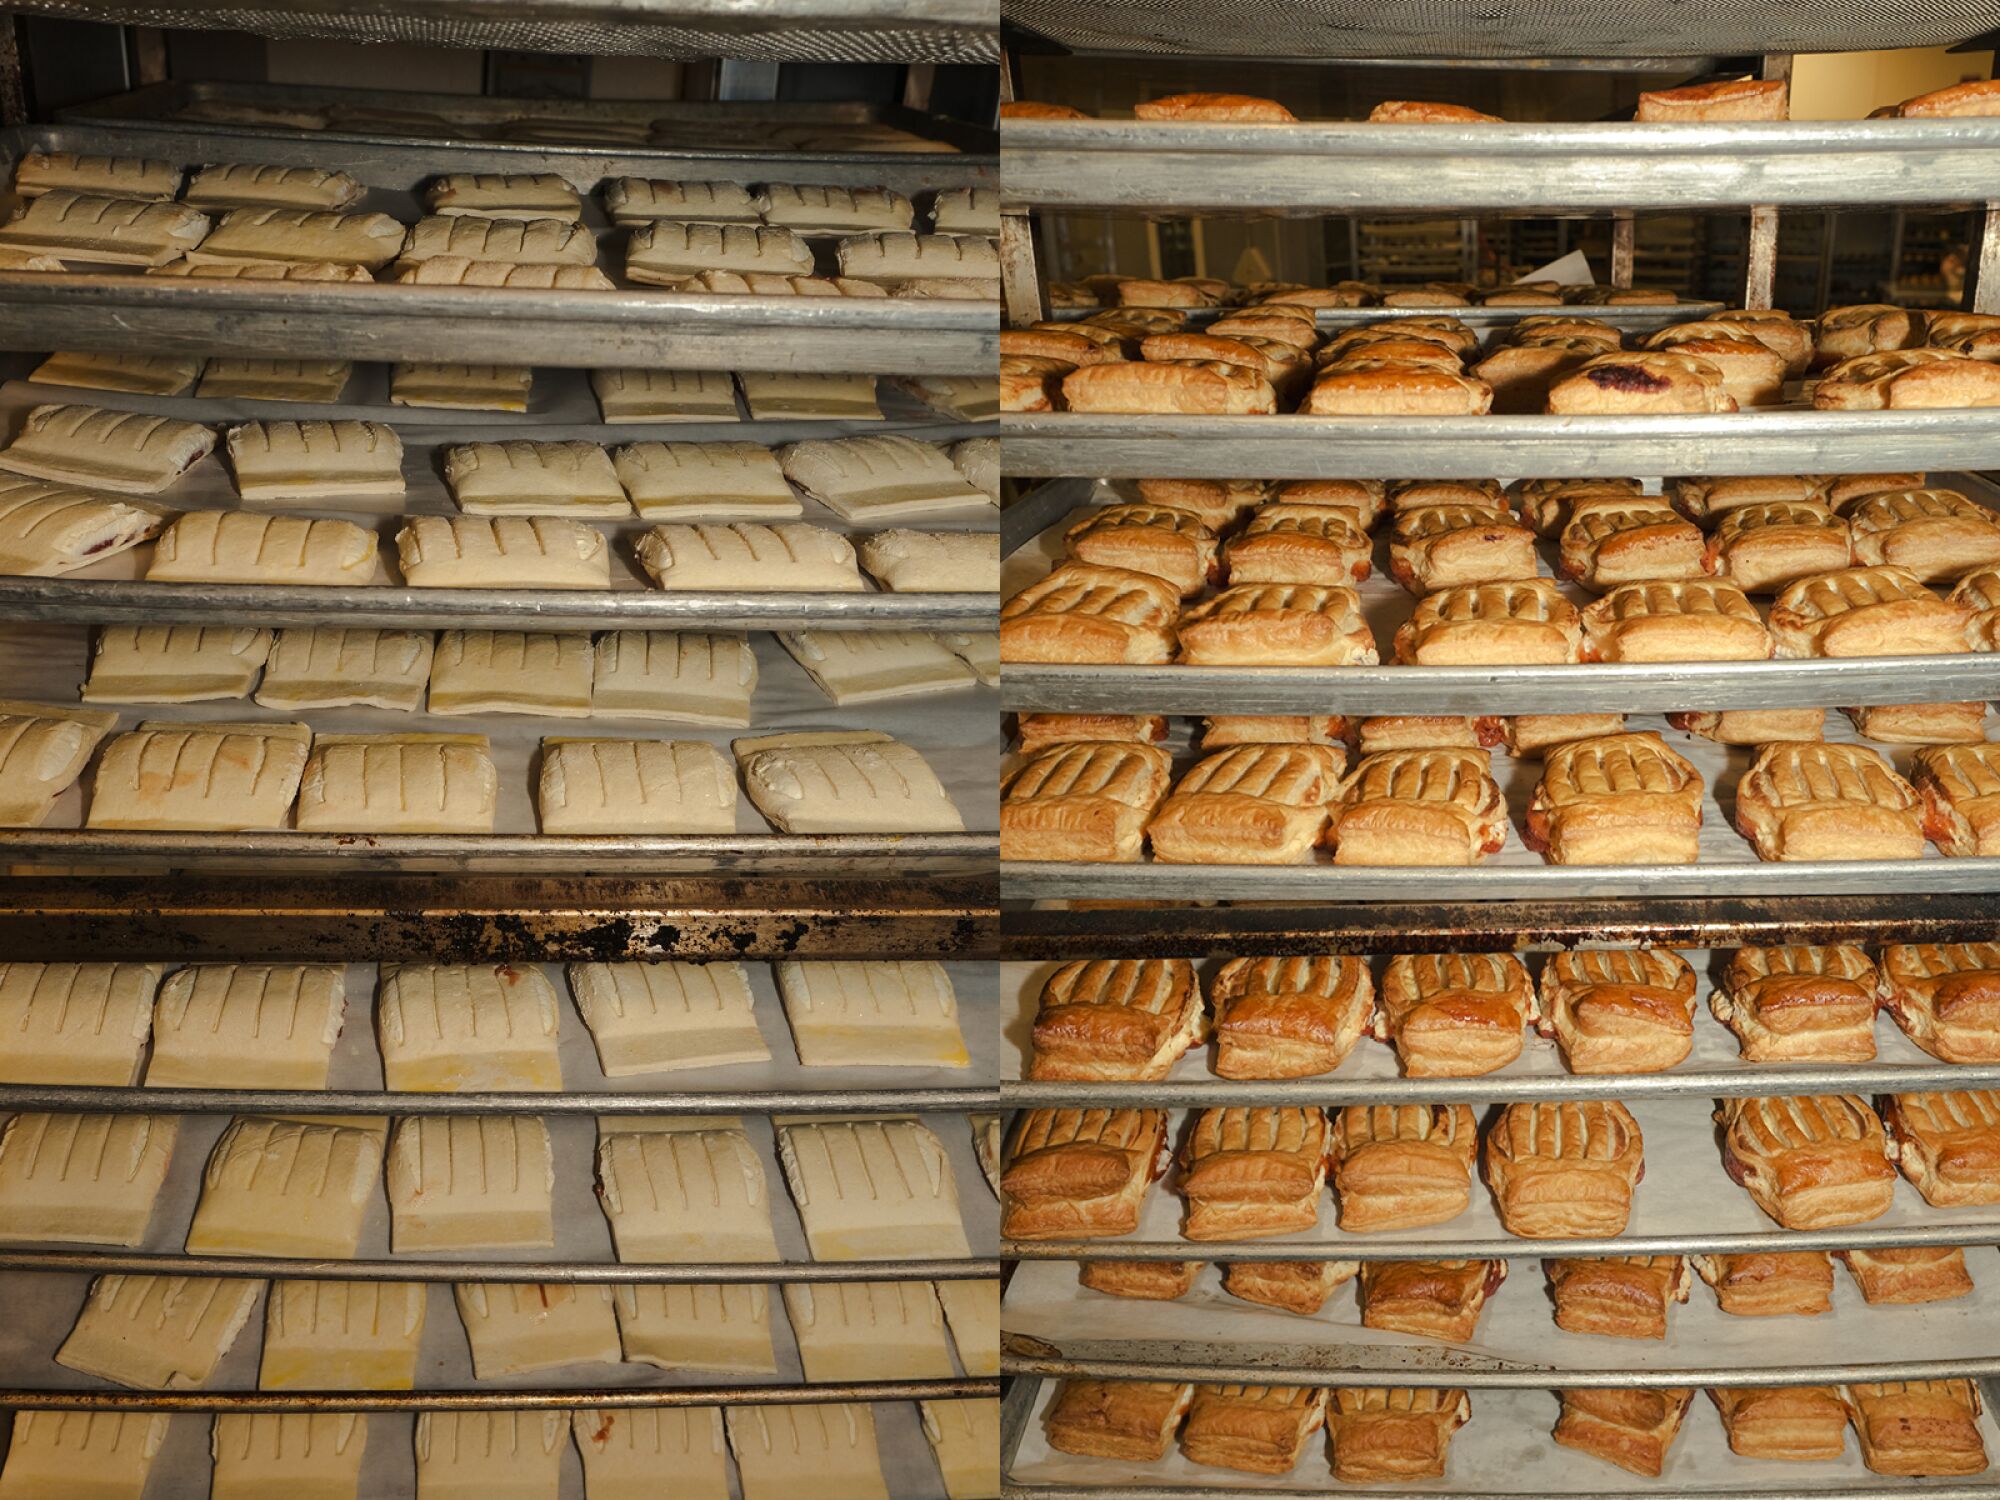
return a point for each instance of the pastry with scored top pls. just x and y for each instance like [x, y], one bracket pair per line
[1419, 807]
[1275, 360]
[1252, 804]
[1797, 1422]
[1248, 1173]
[1529, 735]
[1618, 1010]
[1564, 1170]
[1630, 542]
[1438, 1299]
[1087, 801]
[1393, 1432]
[1145, 1280]
[84, 229]
[1901, 1275]
[1126, 1019]
[1975, 98]
[1960, 787]
[1360, 386]
[1178, 388]
[1644, 382]
[1257, 1429]
[1453, 1015]
[1806, 801]
[1710, 498]
[1946, 997]
[1517, 623]
[1752, 374]
[1132, 1420]
[1549, 505]
[1289, 1017]
[1275, 624]
[1763, 547]
[1754, 726]
[1865, 328]
[1799, 1004]
[1872, 611]
[1680, 620]
[1632, 1427]
[1037, 732]
[1220, 503]
[1288, 543]
[1908, 380]
[1615, 800]
[1443, 546]
[1810, 1161]
[1947, 1143]
[1157, 540]
[1082, 612]
[1918, 1426]
[1399, 1166]
[1294, 1286]
[1619, 1296]
[1770, 1283]
[1937, 535]
[1980, 593]
[1080, 1173]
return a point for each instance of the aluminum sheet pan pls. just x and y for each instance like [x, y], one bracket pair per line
[1336, 319]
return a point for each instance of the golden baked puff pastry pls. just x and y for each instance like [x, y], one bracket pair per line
[1156, 540]
[1438, 1299]
[1976, 334]
[1415, 494]
[1682, 620]
[1843, 488]
[1129, 1419]
[1544, 326]
[1908, 380]
[1770, 1283]
[1799, 1004]
[1250, 805]
[1059, 342]
[1419, 807]
[1521, 373]
[1753, 726]
[1146, 1280]
[1251, 1173]
[1453, 1015]
[1299, 544]
[1564, 1170]
[1399, 1166]
[1760, 548]
[1363, 387]
[1215, 109]
[1960, 787]
[1202, 388]
[1080, 1173]
[1946, 997]
[1549, 505]
[1529, 735]
[1437, 348]
[1618, 799]
[1810, 1161]
[1864, 328]
[1031, 382]
[1774, 328]
[1947, 1143]
[1632, 1427]
[1363, 499]
[1220, 503]
[1085, 802]
[1292, 326]
[1085, 613]
[1738, 99]
[1979, 97]
[1797, 1422]
[1257, 1429]
[1276, 624]
[1918, 1426]
[1648, 382]
[1116, 1019]
[1037, 732]
[1979, 594]
[1805, 801]
[1920, 1273]
[1278, 362]
[1519, 623]
[1619, 1296]
[1383, 732]
[1710, 498]
[1392, 1432]
[1605, 544]
[1935, 535]
[1618, 1010]
[1442, 546]
[1289, 1017]
[1294, 1286]
[1752, 374]
[1961, 723]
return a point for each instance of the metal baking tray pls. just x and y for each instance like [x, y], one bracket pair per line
[1334, 319]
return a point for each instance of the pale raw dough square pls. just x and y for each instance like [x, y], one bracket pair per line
[523, 478]
[461, 387]
[665, 252]
[979, 650]
[342, 1335]
[248, 185]
[634, 395]
[158, 1333]
[317, 382]
[872, 1013]
[240, 546]
[964, 398]
[512, 672]
[524, 1327]
[313, 460]
[528, 195]
[978, 459]
[878, 478]
[665, 1017]
[491, 1455]
[626, 1450]
[705, 481]
[146, 179]
[693, 1195]
[873, 1190]
[82, 1179]
[457, 1028]
[286, 1187]
[775, 396]
[101, 449]
[134, 374]
[986, 1143]
[871, 666]
[516, 241]
[82, 229]
[899, 255]
[635, 787]
[471, 1182]
[75, 1023]
[174, 663]
[696, 1326]
[247, 1026]
[640, 200]
[934, 562]
[813, 209]
[858, 781]
[536, 276]
[50, 529]
[750, 557]
[267, 270]
[300, 1455]
[43, 749]
[261, 234]
[973, 1310]
[82, 1455]
[965, 1439]
[966, 210]
[869, 1330]
[333, 668]
[680, 675]
[769, 284]
[503, 552]
[825, 1449]
[399, 783]
[221, 777]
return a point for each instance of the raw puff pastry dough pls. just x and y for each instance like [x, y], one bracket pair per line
[750, 557]
[705, 482]
[869, 478]
[43, 750]
[872, 1190]
[665, 1017]
[470, 1182]
[872, 1014]
[238, 546]
[507, 552]
[313, 460]
[456, 1028]
[82, 1179]
[545, 673]
[871, 666]
[286, 1187]
[635, 787]
[50, 529]
[685, 1192]
[333, 668]
[522, 478]
[101, 449]
[158, 1333]
[248, 1026]
[841, 781]
[223, 777]
[75, 1023]
[51, 1448]
[828, 1448]
[174, 663]
[684, 676]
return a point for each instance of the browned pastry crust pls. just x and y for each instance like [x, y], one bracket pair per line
[1630, 1427]
[1947, 1143]
[1754, 726]
[1863, 329]
[1419, 807]
[1415, 112]
[1619, 1296]
[1085, 802]
[1438, 1299]
[1031, 383]
[1393, 1432]
[1361, 498]
[1648, 381]
[1273, 325]
[1770, 1283]
[1761, 548]
[1116, 1019]
[1220, 731]
[1842, 489]
[1918, 1427]
[1295, 1286]
[1549, 505]
[1980, 593]
[1921, 723]
[1082, 612]
[1299, 544]
[1227, 109]
[1080, 1173]
[1694, 619]
[1559, 326]
[1289, 1017]
[1710, 498]
[1619, 296]
[1362, 387]
[1278, 624]
[1752, 373]
[1530, 735]
[1031, 109]
[1775, 329]
[1250, 1173]
[1430, 294]
[1399, 1166]
[1521, 296]
[1564, 1170]
[1444, 546]
[1879, 611]
[1799, 1004]
[1618, 1010]
[1960, 787]
[1220, 503]
[1065, 344]
[1383, 732]
[1934, 534]
[1142, 292]
[1128, 1419]
[1979, 97]
[1946, 997]
[1278, 362]
[1521, 374]
[1156, 540]
[1739, 99]
[1621, 799]
[1192, 388]
[1919, 1273]
[1454, 1015]
[1442, 328]
[1145, 1280]
[1630, 542]
[1082, 328]
[1344, 294]
[1130, 324]
[1389, 346]
[1797, 1422]
[1805, 801]
[1810, 1161]
[1251, 804]
[1523, 622]
[1038, 732]
[1908, 379]
[1969, 333]
[1256, 1429]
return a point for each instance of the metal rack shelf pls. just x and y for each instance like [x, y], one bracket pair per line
[1333, 320]
[73, 1097]
[106, 1262]
[620, 1398]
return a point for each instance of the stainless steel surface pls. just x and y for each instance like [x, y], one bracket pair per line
[621, 1397]
[98, 1263]
[378, 1102]
[1020, 276]
[1334, 319]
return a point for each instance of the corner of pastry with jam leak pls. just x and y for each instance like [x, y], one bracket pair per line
[1629, 378]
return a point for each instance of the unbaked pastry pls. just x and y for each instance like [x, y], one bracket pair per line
[144, 179]
[872, 1014]
[1274, 624]
[858, 781]
[236, 546]
[314, 460]
[697, 1326]
[1618, 1010]
[529, 195]
[869, 1330]
[457, 1028]
[399, 783]
[262, 234]
[872, 1189]
[109, 1453]
[524, 478]
[816, 209]
[1809, 1161]
[1438, 1299]
[1080, 1173]
[538, 242]
[750, 556]
[134, 374]
[1807, 801]
[1616, 799]
[1393, 1432]
[313, 381]
[174, 663]
[687, 1192]
[265, 270]
[703, 481]
[1918, 1273]
[342, 1335]
[453, 387]
[635, 787]
[1253, 804]
[75, 1023]
[892, 255]
[77, 1179]
[868, 478]
[934, 561]
[498, 1455]
[1566, 1170]
[286, 1187]
[1088, 801]
[1419, 807]
[224, 777]
[1399, 1166]
[662, 1017]
[333, 668]
[247, 1026]
[1251, 1173]
[101, 449]
[1125, 1019]
[502, 552]
[684, 676]
[1799, 1004]
[1289, 1017]
[628, 394]
[625, 1450]
[524, 1327]
[1132, 1420]
[1453, 1015]
[1632, 1427]
[50, 529]
[640, 200]
[1918, 1426]
[781, 395]
[82, 229]
[470, 1182]
[248, 185]
[306, 1453]
[829, 1446]
[1618, 1296]
[1255, 1429]
[541, 672]
[1946, 997]
[668, 252]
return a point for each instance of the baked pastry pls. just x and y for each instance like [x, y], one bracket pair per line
[1762, 547]
[1633, 1427]
[1416, 494]
[1399, 1166]
[1619, 1296]
[1770, 1283]
[1219, 731]
[1980, 593]
[1972, 333]
[1646, 382]
[1616, 799]
[1030, 383]
[1085, 613]
[1088, 801]
[1419, 807]
[1080, 1173]
[1178, 387]
[844, 781]
[1253, 804]
[1289, 1017]
[1908, 380]
[1255, 1429]
[1918, 1426]
[1947, 1143]
[1960, 787]
[1523, 622]
[1946, 997]
[1919, 1273]
[1368, 387]
[1122, 1019]
[1032, 109]
[1774, 328]
[1438, 1299]
[1215, 109]
[1799, 1004]
[1382, 732]
[1710, 498]
[1564, 1170]
[1754, 726]
[1144, 1280]
[1876, 611]
[1805, 801]
[1277, 361]
[1037, 732]
[1393, 1432]
[1976, 98]
[1630, 542]
[1251, 1173]
[1811, 1161]
[1220, 503]
[1618, 1010]
[1276, 624]
[1132, 1420]
[1156, 540]
[1933, 534]
[1739, 99]
[1549, 505]
[1865, 328]
[1797, 1422]
[1521, 374]
[1442, 546]
[1752, 374]
[1299, 544]
[1682, 620]
[1295, 1286]
[1453, 1015]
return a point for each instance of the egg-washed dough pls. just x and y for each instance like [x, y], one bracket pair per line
[930, 562]
[693, 1195]
[723, 1327]
[872, 666]
[640, 200]
[221, 777]
[101, 449]
[50, 529]
[750, 557]
[825, 1449]
[21, 260]
[264, 234]
[134, 374]
[342, 1335]
[134, 177]
[636, 787]
[873, 1190]
[317, 382]
[769, 284]
[249, 185]
[301, 1455]
[973, 1310]
[398, 784]
[966, 210]
[844, 781]
[877, 478]
[503, 552]
[978, 459]
[523, 478]
[314, 459]
[448, 387]
[516, 241]
[634, 395]
[661, 1017]
[705, 482]
[174, 663]
[869, 1330]
[158, 1333]
[899, 255]
[82, 229]
[538, 276]
[250, 1026]
[546, 673]
[887, 1013]
[334, 668]
[965, 1439]
[528, 195]
[626, 1450]
[286, 1187]
[75, 1023]
[471, 1182]
[82, 1455]
[524, 1327]
[267, 270]
[979, 650]
[82, 1179]
[43, 749]
[684, 676]
[456, 1028]
[780, 395]
[814, 209]
[491, 1455]
[666, 252]
[964, 398]
[238, 546]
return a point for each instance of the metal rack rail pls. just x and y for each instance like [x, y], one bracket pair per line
[78, 1098]
[583, 1273]
[623, 1398]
